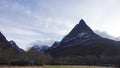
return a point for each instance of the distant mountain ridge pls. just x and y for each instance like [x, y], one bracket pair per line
[41, 45]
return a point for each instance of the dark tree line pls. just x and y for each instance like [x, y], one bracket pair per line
[24, 58]
[33, 57]
[88, 60]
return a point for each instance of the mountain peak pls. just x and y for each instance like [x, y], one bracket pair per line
[79, 29]
[83, 27]
[82, 21]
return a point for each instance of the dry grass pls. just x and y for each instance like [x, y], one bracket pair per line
[55, 66]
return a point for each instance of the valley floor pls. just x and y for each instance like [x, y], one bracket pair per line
[56, 66]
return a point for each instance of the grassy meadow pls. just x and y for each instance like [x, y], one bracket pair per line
[56, 66]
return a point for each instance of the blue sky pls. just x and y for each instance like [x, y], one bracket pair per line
[25, 21]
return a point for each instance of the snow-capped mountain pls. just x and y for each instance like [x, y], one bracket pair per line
[42, 45]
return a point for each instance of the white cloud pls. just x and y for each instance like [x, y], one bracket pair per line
[43, 42]
[106, 35]
[14, 6]
[23, 43]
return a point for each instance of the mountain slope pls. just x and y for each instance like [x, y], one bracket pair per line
[3, 41]
[8, 49]
[14, 45]
[83, 41]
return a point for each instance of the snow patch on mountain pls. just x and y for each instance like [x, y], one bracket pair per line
[41, 45]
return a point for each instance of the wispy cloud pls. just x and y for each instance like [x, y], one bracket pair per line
[12, 6]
